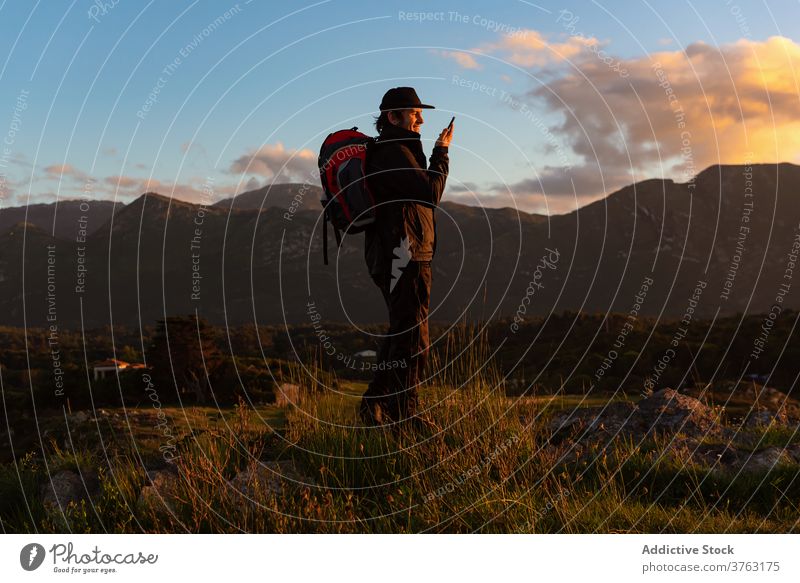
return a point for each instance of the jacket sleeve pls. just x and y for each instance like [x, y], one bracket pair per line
[425, 186]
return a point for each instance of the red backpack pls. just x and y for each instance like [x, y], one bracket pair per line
[347, 201]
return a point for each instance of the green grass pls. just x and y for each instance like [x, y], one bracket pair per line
[483, 472]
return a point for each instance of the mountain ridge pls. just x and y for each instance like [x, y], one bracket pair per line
[246, 265]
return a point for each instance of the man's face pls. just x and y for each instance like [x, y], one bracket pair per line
[409, 119]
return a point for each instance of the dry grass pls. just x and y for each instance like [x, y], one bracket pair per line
[488, 469]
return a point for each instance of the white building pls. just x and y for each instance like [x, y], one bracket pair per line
[112, 365]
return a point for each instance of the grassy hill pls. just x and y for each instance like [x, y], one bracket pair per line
[491, 463]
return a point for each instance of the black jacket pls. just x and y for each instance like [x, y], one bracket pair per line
[406, 194]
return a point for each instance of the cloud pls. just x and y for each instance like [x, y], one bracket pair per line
[276, 162]
[669, 114]
[59, 171]
[195, 189]
[121, 181]
[677, 112]
[554, 189]
[568, 181]
[464, 60]
[20, 159]
[7, 190]
[462, 187]
[528, 48]
[37, 198]
[526, 201]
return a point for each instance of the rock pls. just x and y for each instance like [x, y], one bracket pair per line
[80, 417]
[683, 421]
[667, 411]
[266, 478]
[62, 488]
[587, 423]
[772, 396]
[765, 459]
[794, 452]
[160, 492]
[763, 417]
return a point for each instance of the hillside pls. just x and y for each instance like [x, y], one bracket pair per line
[64, 219]
[301, 196]
[153, 258]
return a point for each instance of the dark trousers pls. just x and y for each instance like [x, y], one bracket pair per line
[404, 352]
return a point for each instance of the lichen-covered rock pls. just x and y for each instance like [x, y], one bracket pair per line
[688, 431]
[793, 451]
[763, 417]
[64, 487]
[668, 411]
[765, 459]
[588, 422]
[665, 412]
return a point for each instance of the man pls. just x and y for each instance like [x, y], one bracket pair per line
[399, 248]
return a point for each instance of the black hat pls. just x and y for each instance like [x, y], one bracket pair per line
[402, 98]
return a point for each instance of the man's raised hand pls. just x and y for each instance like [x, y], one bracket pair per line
[445, 136]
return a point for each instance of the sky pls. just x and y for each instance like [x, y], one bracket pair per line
[556, 104]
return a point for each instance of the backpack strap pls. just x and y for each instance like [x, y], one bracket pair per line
[336, 234]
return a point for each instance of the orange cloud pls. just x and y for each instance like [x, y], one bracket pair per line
[121, 181]
[464, 60]
[58, 171]
[277, 162]
[671, 113]
[705, 105]
[530, 48]
[196, 189]
[531, 202]
[526, 48]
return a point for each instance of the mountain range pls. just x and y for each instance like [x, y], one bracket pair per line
[720, 244]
